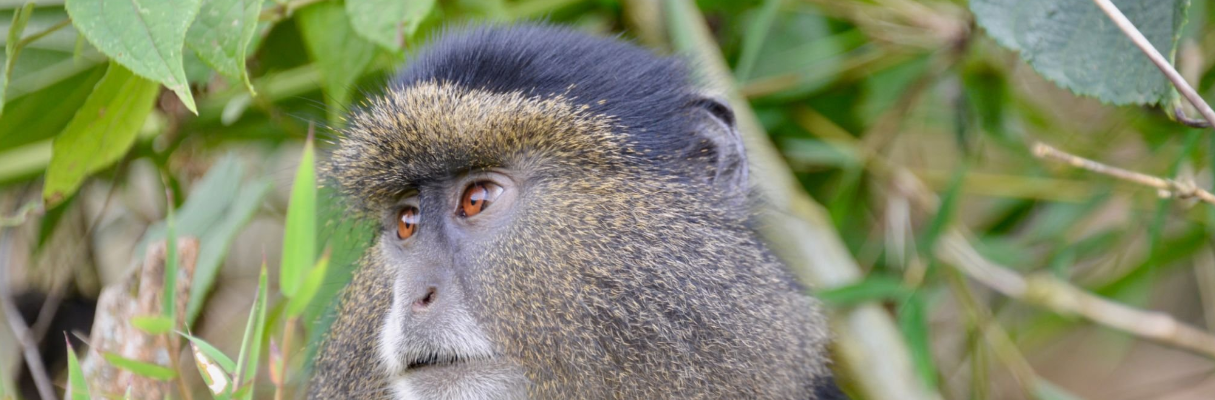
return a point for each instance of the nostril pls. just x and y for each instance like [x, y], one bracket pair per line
[424, 302]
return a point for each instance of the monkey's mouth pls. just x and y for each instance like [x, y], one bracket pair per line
[441, 360]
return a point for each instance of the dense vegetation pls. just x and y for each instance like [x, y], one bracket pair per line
[991, 196]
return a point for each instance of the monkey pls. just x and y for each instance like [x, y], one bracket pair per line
[561, 216]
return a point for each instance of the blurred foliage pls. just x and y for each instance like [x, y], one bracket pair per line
[213, 102]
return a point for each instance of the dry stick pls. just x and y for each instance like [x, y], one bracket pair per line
[1063, 298]
[1043, 290]
[29, 348]
[1166, 187]
[1140, 41]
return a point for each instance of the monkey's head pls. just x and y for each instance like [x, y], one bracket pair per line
[564, 215]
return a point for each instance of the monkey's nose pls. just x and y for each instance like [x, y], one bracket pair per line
[423, 303]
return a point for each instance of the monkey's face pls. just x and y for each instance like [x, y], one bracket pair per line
[431, 342]
[454, 197]
[535, 250]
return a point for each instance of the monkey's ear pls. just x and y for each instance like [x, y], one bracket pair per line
[718, 138]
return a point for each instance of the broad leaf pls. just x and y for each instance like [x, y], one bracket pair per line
[339, 53]
[1074, 44]
[146, 36]
[100, 133]
[387, 23]
[221, 35]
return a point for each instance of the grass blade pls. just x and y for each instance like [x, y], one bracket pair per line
[150, 370]
[312, 283]
[211, 352]
[299, 240]
[251, 344]
[77, 389]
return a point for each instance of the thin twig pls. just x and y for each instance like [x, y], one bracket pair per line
[29, 348]
[23, 214]
[1179, 115]
[1165, 187]
[38, 35]
[1065, 299]
[1171, 73]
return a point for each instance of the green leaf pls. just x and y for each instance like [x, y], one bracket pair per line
[221, 35]
[1074, 44]
[387, 23]
[20, 18]
[155, 324]
[913, 321]
[41, 115]
[215, 211]
[150, 370]
[339, 53]
[213, 353]
[100, 133]
[212, 373]
[1044, 390]
[77, 388]
[872, 288]
[145, 36]
[945, 212]
[296, 305]
[299, 239]
[169, 298]
[753, 39]
[251, 344]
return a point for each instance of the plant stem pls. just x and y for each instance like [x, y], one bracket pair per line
[1140, 41]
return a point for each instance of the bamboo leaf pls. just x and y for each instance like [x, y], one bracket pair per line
[308, 289]
[77, 389]
[146, 369]
[299, 240]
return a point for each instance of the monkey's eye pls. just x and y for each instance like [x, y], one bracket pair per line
[477, 197]
[407, 222]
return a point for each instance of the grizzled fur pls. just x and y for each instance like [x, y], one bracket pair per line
[625, 273]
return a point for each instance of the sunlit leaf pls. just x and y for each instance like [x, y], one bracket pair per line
[145, 36]
[100, 133]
